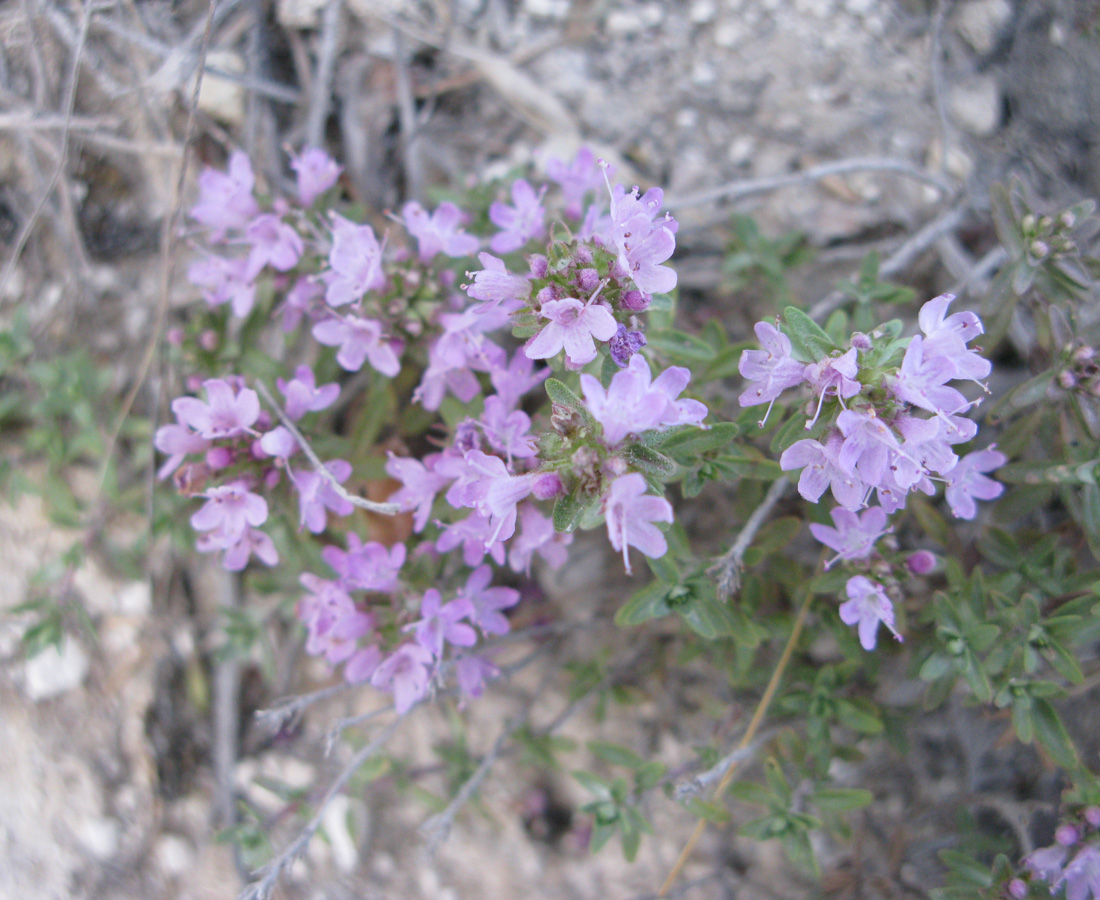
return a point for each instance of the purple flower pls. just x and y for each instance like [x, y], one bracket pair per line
[773, 367]
[821, 470]
[274, 243]
[642, 241]
[405, 672]
[420, 485]
[453, 357]
[359, 340]
[496, 285]
[573, 326]
[279, 443]
[474, 535]
[866, 607]
[225, 198]
[177, 440]
[303, 395]
[366, 567]
[922, 381]
[507, 432]
[1046, 864]
[836, 374]
[513, 383]
[1082, 875]
[228, 512]
[442, 623]
[575, 179]
[362, 664]
[317, 172]
[868, 443]
[326, 609]
[495, 493]
[472, 672]
[224, 281]
[630, 513]
[521, 222]
[355, 261]
[948, 337]
[298, 301]
[855, 535]
[316, 494]
[624, 345]
[966, 482]
[537, 535]
[633, 403]
[486, 603]
[253, 541]
[440, 232]
[227, 413]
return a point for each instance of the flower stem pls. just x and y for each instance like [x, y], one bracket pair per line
[750, 733]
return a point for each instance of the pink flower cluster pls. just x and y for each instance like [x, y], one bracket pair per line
[877, 439]
[236, 442]
[365, 300]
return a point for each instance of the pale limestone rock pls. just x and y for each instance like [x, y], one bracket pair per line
[54, 672]
[975, 105]
[219, 97]
[980, 22]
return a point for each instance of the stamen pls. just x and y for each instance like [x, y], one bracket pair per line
[767, 413]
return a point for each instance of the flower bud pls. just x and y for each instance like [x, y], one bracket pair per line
[587, 280]
[174, 336]
[547, 486]
[1017, 889]
[208, 340]
[547, 294]
[467, 437]
[1066, 835]
[1092, 816]
[538, 265]
[219, 457]
[861, 341]
[635, 301]
[582, 256]
[1066, 379]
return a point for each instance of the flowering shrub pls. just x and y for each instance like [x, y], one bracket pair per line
[520, 385]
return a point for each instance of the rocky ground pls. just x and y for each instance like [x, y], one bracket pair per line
[109, 750]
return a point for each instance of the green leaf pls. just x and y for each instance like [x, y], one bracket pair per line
[616, 754]
[841, 799]
[560, 394]
[966, 867]
[809, 339]
[664, 568]
[796, 845]
[632, 840]
[852, 715]
[568, 510]
[687, 441]
[704, 809]
[648, 603]
[648, 775]
[680, 347]
[650, 461]
[1052, 734]
[709, 617]
[598, 787]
